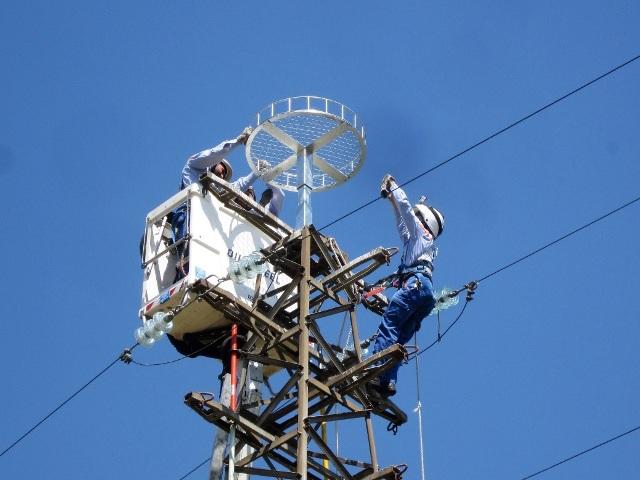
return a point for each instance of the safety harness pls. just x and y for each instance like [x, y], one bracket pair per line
[399, 278]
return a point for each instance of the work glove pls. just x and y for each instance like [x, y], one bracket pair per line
[388, 184]
[266, 197]
[250, 192]
[263, 166]
[244, 136]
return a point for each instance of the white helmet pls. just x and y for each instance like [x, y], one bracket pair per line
[431, 218]
[227, 168]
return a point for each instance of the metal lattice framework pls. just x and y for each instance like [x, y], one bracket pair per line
[318, 384]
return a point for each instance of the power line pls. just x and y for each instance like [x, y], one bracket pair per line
[175, 360]
[515, 262]
[181, 357]
[440, 337]
[567, 235]
[492, 136]
[125, 357]
[468, 149]
[581, 453]
[195, 468]
[67, 400]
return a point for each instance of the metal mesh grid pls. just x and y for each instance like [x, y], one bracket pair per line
[306, 127]
[291, 125]
[267, 149]
[344, 152]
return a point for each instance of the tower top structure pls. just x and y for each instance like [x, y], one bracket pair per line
[307, 144]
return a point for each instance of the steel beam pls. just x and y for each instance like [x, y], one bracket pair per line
[303, 355]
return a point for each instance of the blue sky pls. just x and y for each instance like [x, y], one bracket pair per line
[103, 101]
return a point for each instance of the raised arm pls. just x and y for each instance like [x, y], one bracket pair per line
[197, 164]
[402, 228]
[272, 199]
[387, 186]
[245, 182]
[405, 211]
[277, 200]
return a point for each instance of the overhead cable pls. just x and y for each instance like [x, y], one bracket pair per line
[67, 400]
[492, 136]
[515, 262]
[567, 235]
[125, 357]
[440, 337]
[581, 453]
[200, 465]
[177, 359]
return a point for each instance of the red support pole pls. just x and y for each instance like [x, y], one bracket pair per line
[233, 403]
[234, 366]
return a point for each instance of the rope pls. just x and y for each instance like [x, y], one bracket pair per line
[344, 349]
[419, 410]
[344, 321]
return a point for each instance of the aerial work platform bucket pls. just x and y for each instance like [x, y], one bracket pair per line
[216, 235]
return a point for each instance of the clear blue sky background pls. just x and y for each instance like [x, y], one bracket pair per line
[103, 101]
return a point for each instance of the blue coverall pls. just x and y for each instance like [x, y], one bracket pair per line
[414, 300]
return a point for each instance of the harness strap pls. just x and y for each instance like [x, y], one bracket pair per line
[408, 272]
[417, 264]
[397, 279]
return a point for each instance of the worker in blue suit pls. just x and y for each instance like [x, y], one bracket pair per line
[419, 226]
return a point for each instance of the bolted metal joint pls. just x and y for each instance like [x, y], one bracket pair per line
[471, 289]
[126, 356]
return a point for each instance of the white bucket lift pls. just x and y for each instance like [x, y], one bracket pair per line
[215, 236]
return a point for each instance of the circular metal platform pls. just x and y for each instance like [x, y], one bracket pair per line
[321, 136]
